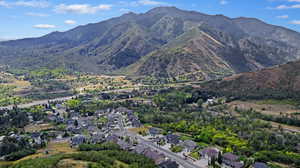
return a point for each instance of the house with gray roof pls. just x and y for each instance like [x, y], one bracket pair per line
[231, 160]
[78, 140]
[189, 145]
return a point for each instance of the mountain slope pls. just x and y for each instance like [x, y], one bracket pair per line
[277, 82]
[164, 42]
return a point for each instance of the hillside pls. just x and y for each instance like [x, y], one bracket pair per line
[163, 42]
[278, 82]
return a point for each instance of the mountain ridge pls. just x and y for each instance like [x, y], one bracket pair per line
[159, 43]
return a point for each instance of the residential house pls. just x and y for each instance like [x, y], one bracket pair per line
[140, 149]
[154, 131]
[78, 140]
[112, 138]
[209, 153]
[169, 164]
[260, 165]
[124, 145]
[231, 160]
[97, 138]
[173, 139]
[155, 156]
[189, 145]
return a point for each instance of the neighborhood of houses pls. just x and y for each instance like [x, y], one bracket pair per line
[116, 125]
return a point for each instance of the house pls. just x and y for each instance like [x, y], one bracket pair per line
[154, 131]
[189, 145]
[74, 130]
[136, 123]
[112, 138]
[260, 165]
[173, 139]
[238, 165]
[230, 159]
[169, 164]
[78, 140]
[124, 145]
[97, 138]
[209, 153]
[140, 149]
[155, 156]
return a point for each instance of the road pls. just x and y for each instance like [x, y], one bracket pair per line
[169, 154]
[40, 102]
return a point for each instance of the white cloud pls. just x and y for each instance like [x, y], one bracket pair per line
[124, 10]
[296, 22]
[4, 3]
[143, 3]
[150, 2]
[70, 22]
[81, 8]
[223, 2]
[280, 7]
[294, 0]
[31, 3]
[36, 14]
[44, 26]
[283, 17]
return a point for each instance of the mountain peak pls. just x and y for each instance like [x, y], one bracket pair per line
[164, 9]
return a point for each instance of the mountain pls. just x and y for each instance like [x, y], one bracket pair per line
[163, 42]
[281, 81]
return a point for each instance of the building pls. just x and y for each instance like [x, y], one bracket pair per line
[209, 153]
[189, 145]
[231, 160]
[154, 131]
[173, 139]
[260, 165]
[155, 156]
[78, 140]
[169, 164]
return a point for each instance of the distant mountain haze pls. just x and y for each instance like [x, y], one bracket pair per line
[164, 42]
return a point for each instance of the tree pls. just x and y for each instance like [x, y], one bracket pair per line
[76, 123]
[220, 158]
[200, 102]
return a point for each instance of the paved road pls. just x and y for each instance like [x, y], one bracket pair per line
[171, 155]
[39, 102]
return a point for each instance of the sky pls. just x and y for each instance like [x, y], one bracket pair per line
[34, 18]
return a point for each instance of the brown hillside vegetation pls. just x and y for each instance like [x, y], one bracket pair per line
[278, 82]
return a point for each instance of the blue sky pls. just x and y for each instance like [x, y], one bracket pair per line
[32, 18]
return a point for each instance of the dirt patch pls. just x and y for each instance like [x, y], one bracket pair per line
[271, 109]
[38, 127]
[67, 163]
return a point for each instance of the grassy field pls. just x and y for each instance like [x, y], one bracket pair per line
[52, 148]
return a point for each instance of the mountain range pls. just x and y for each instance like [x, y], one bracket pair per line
[163, 42]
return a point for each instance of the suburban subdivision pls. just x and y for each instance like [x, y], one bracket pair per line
[167, 88]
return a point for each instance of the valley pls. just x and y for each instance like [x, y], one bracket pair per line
[167, 88]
